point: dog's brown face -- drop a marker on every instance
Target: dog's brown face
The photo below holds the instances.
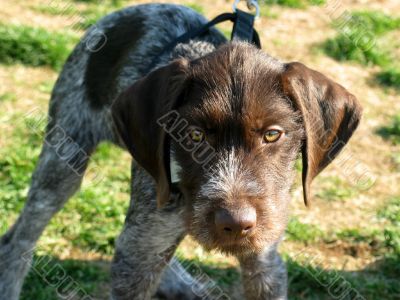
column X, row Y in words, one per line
column 237, row 193
column 240, row 121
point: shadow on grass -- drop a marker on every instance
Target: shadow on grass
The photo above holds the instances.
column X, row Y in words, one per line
column 389, row 78
column 391, row 132
column 52, row 279
column 379, row 280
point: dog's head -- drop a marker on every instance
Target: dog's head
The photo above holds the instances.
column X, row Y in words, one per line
column 235, row 122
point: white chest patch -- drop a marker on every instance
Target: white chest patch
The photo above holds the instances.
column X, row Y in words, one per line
column 175, row 169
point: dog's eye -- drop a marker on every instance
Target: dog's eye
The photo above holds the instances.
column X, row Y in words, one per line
column 272, row 135
column 196, row 135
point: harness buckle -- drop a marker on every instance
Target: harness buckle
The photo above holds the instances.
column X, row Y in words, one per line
column 251, row 4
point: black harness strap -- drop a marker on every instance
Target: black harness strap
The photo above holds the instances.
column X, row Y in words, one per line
column 200, row 31
column 243, row 27
column 242, row 30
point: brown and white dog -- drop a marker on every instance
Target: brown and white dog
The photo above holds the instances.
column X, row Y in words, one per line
column 230, row 117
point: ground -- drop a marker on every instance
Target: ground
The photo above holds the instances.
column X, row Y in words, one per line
column 348, row 239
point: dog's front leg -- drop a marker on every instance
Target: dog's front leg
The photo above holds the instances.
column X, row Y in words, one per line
column 146, row 246
column 264, row 276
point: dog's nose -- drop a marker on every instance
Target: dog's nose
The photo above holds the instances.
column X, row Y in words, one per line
column 239, row 222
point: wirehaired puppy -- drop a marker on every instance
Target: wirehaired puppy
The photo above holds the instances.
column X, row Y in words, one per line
column 214, row 128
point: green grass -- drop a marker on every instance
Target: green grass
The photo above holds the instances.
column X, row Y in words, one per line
column 8, row 97
column 362, row 38
column 58, row 9
column 83, row 17
column 360, row 241
column 226, row 32
column 358, row 38
column 335, row 189
column 34, row 46
column 294, row 3
column 376, row 22
column 52, row 279
column 301, row 232
column 93, row 14
column 92, row 218
column 90, row 221
column 389, row 78
column 395, row 159
column 308, row 279
column 46, row 86
column 265, row 11
column 391, row 211
column 107, row 2
column 391, row 132
column 15, row 168
column 221, row 273
column 353, row 48
column 384, row 242
column 196, row 7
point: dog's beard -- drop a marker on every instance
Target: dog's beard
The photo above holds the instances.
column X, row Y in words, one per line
column 200, row 224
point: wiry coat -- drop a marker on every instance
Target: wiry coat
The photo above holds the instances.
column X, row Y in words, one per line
column 118, row 84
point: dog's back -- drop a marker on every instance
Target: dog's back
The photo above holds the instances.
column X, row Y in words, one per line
column 125, row 45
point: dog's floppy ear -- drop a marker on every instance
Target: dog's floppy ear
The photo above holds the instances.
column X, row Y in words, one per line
column 330, row 116
column 135, row 113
